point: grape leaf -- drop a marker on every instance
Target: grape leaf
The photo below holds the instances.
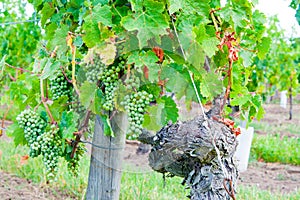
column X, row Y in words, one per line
column 107, row 52
column 150, row 23
column 152, row 118
column 260, row 113
column 50, row 69
column 107, row 130
column 210, row 46
column 102, row 14
column 263, row 47
column 170, row 111
column 67, row 125
column 175, row 5
column 47, row 12
column 91, row 33
column 18, row 133
column 87, row 94
column 240, row 96
column 59, row 40
column 297, row 15
column 211, row 85
column 179, row 82
column 149, row 59
column 247, row 58
column 160, row 114
column 235, row 15
column 58, row 107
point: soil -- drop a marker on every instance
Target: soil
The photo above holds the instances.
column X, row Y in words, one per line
column 274, row 177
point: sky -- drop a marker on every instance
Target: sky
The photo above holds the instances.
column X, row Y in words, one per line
column 280, row 8
column 286, row 15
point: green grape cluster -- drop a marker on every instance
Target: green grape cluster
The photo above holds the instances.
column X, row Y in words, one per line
column 59, row 86
column 76, row 106
column 110, row 79
column 135, row 105
column 94, row 70
column 34, row 127
column 132, row 82
column 74, row 163
column 51, row 150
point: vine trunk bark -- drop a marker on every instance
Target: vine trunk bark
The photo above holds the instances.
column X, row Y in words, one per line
column 106, row 160
column 185, row 149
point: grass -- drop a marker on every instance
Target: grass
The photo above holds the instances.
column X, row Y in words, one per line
column 34, row 170
column 135, row 186
column 273, row 148
column 286, row 128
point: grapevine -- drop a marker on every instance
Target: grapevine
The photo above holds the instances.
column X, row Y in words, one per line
column 166, row 44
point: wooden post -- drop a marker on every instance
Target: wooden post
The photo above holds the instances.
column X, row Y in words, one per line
column 106, row 163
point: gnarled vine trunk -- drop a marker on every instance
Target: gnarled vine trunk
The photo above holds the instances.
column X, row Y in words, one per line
column 186, row 150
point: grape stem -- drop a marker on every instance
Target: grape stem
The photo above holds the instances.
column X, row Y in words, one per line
column 79, row 133
column 44, row 101
column 73, row 51
column 227, row 92
column 65, row 75
column 3, row 119
column 21, row 69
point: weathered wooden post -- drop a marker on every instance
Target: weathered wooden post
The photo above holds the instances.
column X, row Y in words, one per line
column 106, row 160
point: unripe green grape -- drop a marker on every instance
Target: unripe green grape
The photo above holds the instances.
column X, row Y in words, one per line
column 136, row 105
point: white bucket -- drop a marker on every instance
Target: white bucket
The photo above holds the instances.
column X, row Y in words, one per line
column 243, row 149
column 283, row 99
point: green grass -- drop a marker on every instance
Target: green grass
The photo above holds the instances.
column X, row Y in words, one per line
column 273, row 148
column 34, row 170
column 286, row 128
column 139, row 186
column 249, row 193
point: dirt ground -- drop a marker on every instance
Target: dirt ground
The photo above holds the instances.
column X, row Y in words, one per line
column 274, row 177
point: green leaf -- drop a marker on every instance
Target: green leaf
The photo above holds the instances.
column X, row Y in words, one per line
column 107, row 130
column 210, row 46
column 260, row 113
column 170, row 111
column 47, row 12
column 247, row 58
column 297, row 15
column 152, row 120
column 18, row 133
column 99, row 101
column 59, row 40
column 149, row 59
column 50, row 69
column 263, row 47
column 68, row 124
column 149, row 24
column 58, row 107
column 91, row 33
column 78, row 42
column 211, row 85
column 87, row 94
column 178, row 82
column 240, row 96
column 102, row 14
column 160, row 114
column 175, row 5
